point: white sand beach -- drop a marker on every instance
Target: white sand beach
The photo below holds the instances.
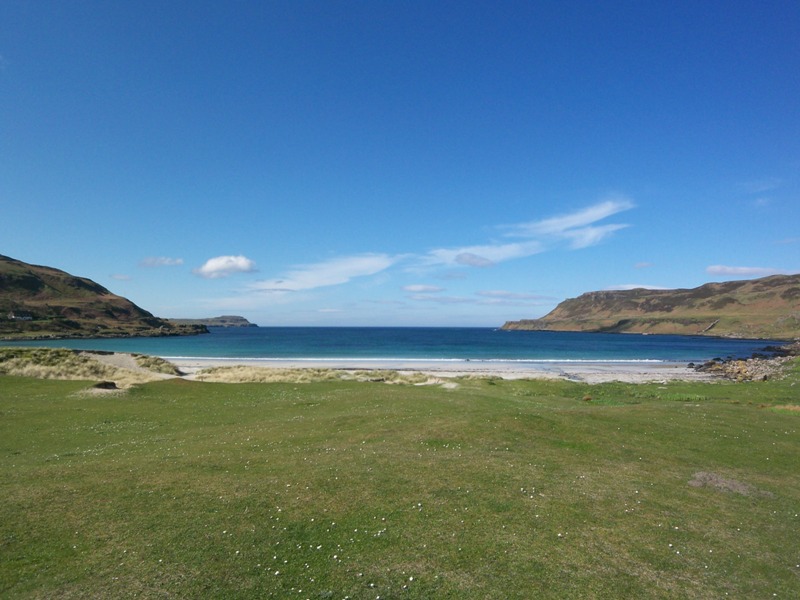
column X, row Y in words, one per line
column 588, row 372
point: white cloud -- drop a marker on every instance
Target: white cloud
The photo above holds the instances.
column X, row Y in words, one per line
column 577, row 229
column 331, row 272
column 590, row 236
column 506, row 295
column 576, row 225
column 487, row 298
column 741, row 271
column 442, row 299
column 453, row 275
column 482, row 256
column 473, row 260
column 160, row 261
column 423, row 289
column 222, row 266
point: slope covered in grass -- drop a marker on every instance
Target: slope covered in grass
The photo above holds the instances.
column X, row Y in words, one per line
column 760, row 308
column 40, row 301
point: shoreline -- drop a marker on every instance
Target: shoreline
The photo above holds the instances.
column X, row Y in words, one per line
column 587, row 372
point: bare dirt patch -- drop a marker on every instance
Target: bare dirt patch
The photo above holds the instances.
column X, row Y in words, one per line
column 723, row 484
column 102, row 392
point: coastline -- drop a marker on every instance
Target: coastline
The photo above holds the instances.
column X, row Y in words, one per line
column 587, row 372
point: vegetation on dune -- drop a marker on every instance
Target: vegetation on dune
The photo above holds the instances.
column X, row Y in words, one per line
column 247, row 374
column 46, row 363
column 59, row 363
column 156, row 364
column 342, row 489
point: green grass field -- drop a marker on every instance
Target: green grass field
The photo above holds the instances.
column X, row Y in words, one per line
column 494, row 489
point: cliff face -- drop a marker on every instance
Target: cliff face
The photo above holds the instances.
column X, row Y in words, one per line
column 37, row 301
column 758, row 308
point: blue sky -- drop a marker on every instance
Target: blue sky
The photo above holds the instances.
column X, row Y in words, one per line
column 398, row 163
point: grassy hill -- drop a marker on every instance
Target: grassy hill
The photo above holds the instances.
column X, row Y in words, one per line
column 758, row 308
column 37, row 301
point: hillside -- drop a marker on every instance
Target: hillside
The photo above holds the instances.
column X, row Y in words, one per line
column 37, row 301
column 223, row 321
column 757, row 308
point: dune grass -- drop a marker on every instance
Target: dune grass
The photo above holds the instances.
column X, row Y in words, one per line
column 156, row 364
column 59, row 363
column 345, row 489
column 250, row 374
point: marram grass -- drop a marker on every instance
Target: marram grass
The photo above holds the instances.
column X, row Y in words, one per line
column 501, row 489
column 59, row 363
column 250, row 374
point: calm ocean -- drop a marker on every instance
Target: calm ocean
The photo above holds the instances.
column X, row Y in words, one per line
column 423, row 343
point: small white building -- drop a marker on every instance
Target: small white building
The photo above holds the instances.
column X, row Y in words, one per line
column 20, row 315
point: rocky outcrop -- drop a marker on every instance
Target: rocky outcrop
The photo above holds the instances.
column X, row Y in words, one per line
column 756, row 368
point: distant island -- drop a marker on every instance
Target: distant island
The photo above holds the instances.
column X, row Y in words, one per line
column 42, row 302
column 767, row 308
column 223, row 321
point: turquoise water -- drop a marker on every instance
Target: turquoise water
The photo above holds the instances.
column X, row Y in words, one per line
column 423, row 343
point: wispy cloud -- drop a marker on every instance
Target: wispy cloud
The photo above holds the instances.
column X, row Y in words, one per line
column 643, row 265
column 121, row 277
column 442, row 299
column 331, row 272
column 590, row 236
column 761, row 186
column 578, row 229
column 506, row 295
column 423, row 289
column 742, row 271
column 482, row 256
column 160, row 261
column 486, row 297
column 223, row 266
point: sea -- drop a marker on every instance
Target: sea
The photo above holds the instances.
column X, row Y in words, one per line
column 427, row 344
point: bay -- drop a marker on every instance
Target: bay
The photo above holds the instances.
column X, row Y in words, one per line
column 434, row 344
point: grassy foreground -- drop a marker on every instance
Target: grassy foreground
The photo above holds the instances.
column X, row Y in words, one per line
column 492, row 489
